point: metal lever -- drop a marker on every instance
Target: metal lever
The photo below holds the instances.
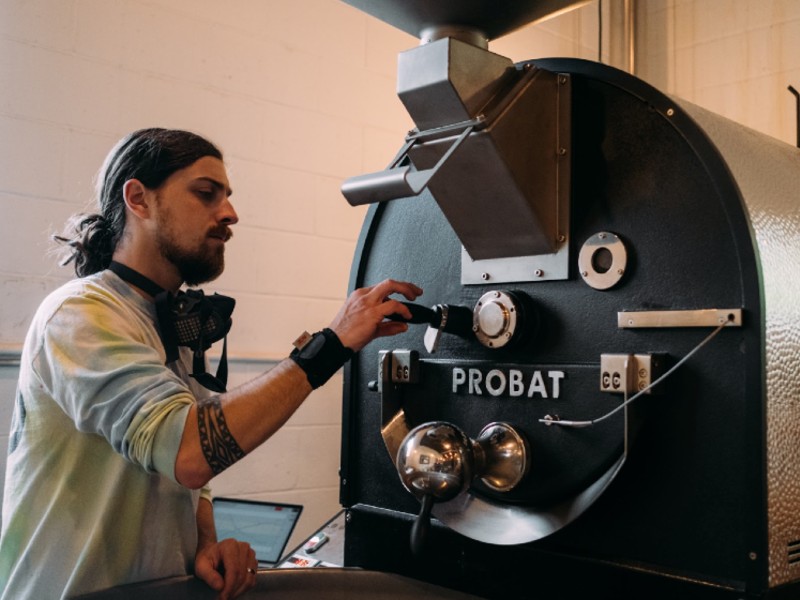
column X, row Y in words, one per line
column 421, row 526
column 398, row 181
column 419, row 315
column 441, row 318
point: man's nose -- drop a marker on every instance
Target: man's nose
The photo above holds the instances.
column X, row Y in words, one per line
column 228, row 213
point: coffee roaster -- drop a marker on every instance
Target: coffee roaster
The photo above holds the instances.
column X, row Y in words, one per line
column 599, row 393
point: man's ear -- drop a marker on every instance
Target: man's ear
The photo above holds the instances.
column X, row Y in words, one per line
column 136, row 198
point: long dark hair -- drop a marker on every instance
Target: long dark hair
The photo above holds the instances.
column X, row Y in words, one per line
column 149, row 155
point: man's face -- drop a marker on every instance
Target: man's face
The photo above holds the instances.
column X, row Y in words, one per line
column 193, row 216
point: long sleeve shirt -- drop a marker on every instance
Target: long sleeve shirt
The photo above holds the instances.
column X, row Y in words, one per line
column 90, row 497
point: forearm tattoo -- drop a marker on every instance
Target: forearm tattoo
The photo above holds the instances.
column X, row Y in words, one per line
column 219, row 447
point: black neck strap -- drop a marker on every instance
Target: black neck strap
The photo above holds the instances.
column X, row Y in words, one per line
column 163, row 301
column 136, row 278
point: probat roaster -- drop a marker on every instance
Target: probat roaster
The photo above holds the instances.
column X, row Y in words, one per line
column 599, row 395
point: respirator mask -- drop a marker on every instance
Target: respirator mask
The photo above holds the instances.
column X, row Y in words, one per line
column 188, row 318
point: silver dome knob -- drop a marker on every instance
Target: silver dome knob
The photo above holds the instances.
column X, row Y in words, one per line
column 437, row 461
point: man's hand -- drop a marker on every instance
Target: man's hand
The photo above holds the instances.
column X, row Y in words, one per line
column 228, row 567
column 362, row 318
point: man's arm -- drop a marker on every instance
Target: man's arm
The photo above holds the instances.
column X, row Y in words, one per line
column 224, row 428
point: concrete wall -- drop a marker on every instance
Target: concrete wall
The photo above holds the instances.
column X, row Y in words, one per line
column 299, row 94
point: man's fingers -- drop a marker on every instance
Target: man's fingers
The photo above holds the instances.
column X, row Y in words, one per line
column 237, row 557
column 206, row 572
column 390, row 328
column 387, row 287
column 394, row 307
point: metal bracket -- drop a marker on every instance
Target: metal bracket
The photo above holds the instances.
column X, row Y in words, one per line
column 711, row 317
column 396, row 368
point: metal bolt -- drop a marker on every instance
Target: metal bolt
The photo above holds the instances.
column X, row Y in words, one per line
column 642, row 385
column 602, row 236
column 485, row 276
column 620, row 271
column 562, row 151
column 561, row 237
column 348, row 516
column 538, row 272
column 670, row 112
column 752, row 556
column 562, row 80
column 475, row 328
column 584, row 273
column 508, row 334
column 642, row 373
column 497, row 294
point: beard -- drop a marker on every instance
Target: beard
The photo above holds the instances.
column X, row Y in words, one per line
column 195, row 266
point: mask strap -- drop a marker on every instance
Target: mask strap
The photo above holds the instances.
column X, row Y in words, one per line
column 218, row 383
column 215, row 384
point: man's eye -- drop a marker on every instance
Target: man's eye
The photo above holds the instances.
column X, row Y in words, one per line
column 206, row 194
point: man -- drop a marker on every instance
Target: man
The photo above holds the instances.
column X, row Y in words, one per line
column 109, row 444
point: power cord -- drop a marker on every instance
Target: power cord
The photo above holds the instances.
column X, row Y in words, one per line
column 548, row 420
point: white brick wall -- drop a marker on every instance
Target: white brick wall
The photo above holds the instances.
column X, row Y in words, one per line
column 299, row 95
column 734, row 57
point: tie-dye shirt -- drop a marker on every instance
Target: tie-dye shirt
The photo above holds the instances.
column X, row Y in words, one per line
column 90, row 497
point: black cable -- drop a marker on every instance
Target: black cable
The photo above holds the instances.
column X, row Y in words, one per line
column 796, row 95
column 599, row 30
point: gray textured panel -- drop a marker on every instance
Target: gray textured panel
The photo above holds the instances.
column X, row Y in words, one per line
column 767, row 172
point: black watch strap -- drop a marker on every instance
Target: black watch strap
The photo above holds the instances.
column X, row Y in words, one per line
column 320, row 355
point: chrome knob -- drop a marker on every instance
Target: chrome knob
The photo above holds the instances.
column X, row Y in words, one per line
column 504, row 318
column 435, row 464
column 437, row 461
column 504, row 455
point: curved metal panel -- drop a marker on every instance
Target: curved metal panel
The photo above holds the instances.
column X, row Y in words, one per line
column 768, row 174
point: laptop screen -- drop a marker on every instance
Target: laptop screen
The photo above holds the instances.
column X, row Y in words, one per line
column 266, row 526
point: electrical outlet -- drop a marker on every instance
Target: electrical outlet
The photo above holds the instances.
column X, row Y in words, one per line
column 614, row 374
column 629, row 373
column 405, row 366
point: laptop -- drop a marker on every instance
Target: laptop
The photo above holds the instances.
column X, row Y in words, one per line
column 266, row 526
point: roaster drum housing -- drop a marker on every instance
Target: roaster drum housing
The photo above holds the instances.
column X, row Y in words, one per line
column 707, row 500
